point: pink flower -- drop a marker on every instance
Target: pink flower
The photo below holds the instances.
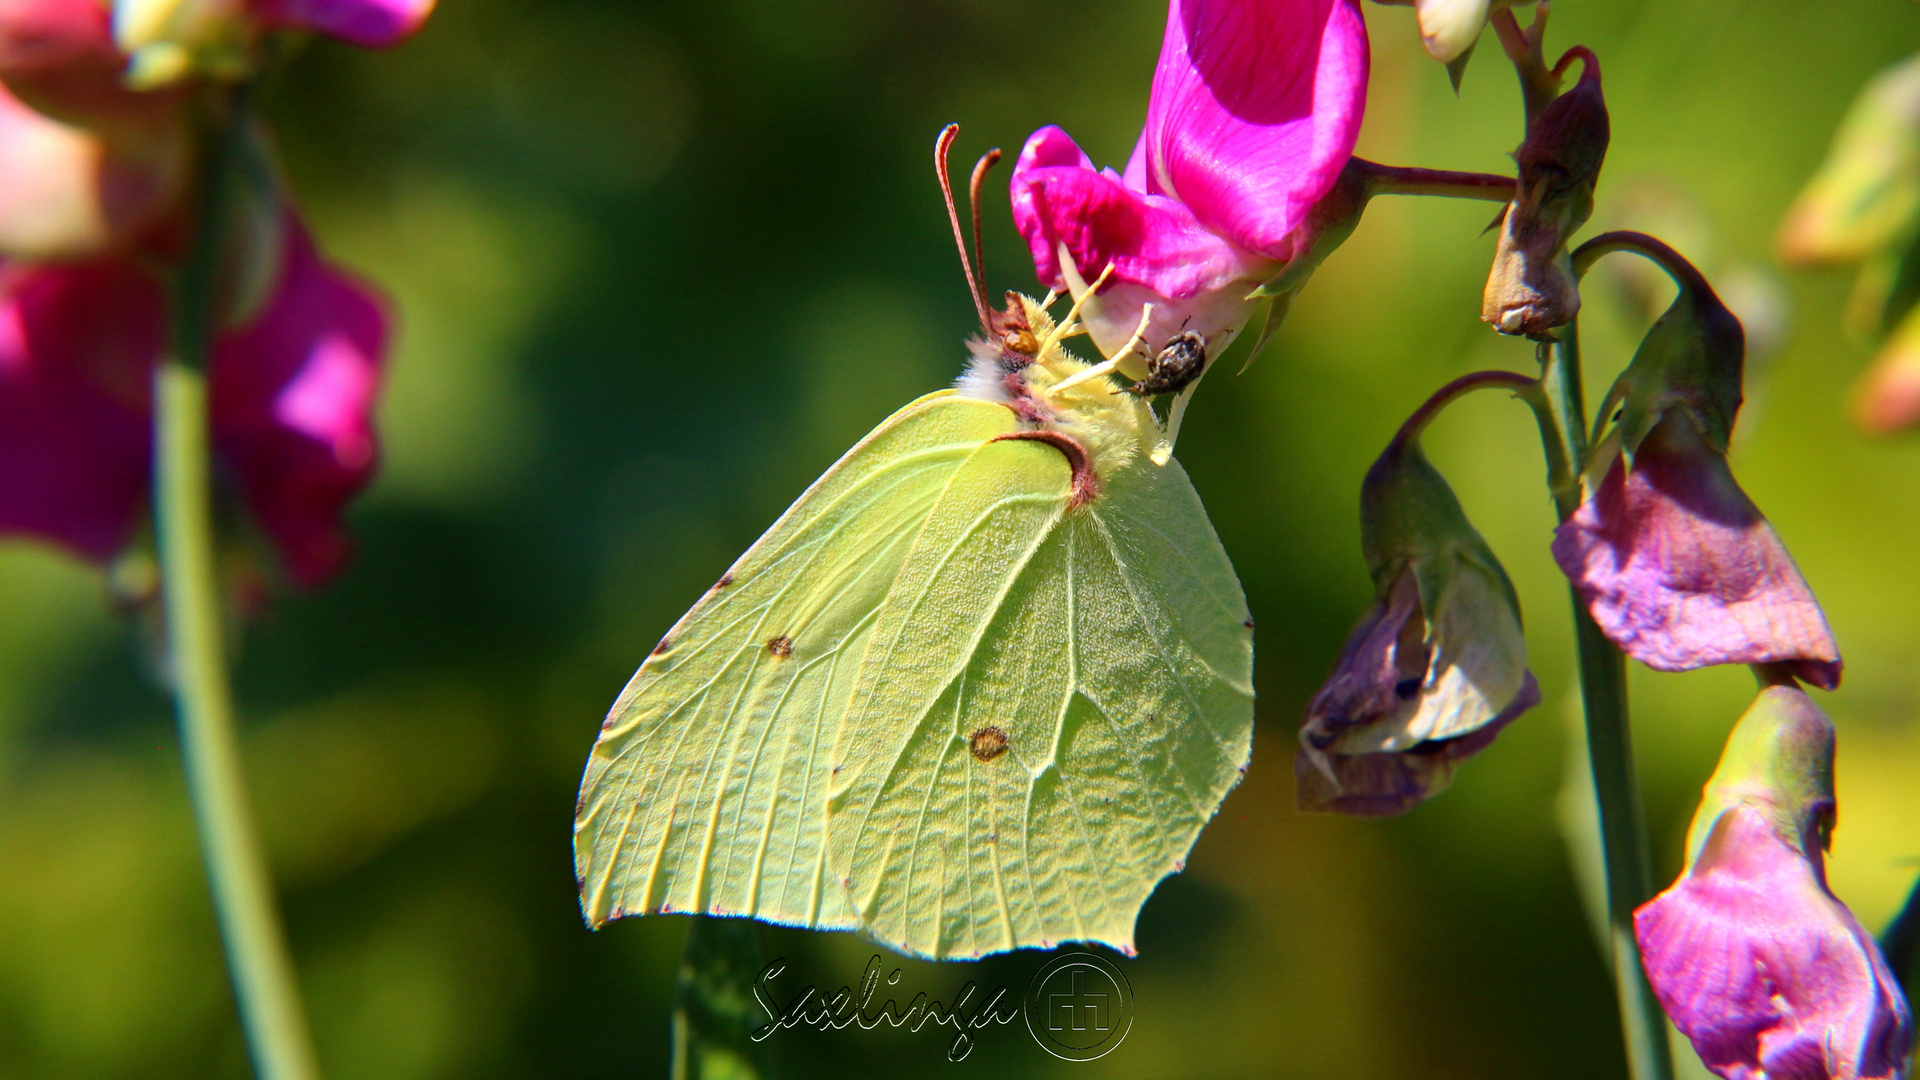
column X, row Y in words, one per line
column 1757, row 963
column 292, row 395
column 370, row 24
column 1681, row 571
column 1254, row 111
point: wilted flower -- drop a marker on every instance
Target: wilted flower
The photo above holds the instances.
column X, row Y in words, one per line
column 292, row 394
column 1530, row 289
column 1254, row 111
column 1436, row 668
column 1681, row 571
column 1674, row 562
column 1754, row 959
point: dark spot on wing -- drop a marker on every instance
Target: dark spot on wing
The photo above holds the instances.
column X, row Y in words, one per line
column 987, row 743
column 1248, row 624
column 780, row 647
column 665, row 644
column 726, row 579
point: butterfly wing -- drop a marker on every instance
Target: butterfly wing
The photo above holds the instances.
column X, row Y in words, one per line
column 1106, row 647
column 706, row 788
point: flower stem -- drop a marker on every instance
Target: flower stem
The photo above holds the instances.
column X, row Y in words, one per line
column 257, row 955
column 1525, row 387
column 1403, row 180
column 1603, row 698
column 1684, row 274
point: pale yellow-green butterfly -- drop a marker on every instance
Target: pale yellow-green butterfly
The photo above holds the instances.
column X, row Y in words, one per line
column 979, row 689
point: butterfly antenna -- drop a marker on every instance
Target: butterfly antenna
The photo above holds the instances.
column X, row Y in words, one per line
column 940, row 147
column 980, row 170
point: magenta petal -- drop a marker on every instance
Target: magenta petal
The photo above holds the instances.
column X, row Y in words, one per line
column 77, row 348
column 1150, row 240
column 292, row 408
column 1136, row 175
column 1681, row 570
column 1766, row 973
column 1256, row 105
column 371, row 24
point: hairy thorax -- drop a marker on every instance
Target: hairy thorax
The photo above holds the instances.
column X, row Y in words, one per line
column 1022, row 364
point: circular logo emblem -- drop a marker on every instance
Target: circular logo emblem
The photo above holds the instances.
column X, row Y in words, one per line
column 1079, row 1006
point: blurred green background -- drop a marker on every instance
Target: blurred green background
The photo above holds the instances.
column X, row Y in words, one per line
column 657, row 265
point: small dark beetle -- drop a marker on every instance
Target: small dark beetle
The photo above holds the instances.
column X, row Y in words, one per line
column 1175, row 367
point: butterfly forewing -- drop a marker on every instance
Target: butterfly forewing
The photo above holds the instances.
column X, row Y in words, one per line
column 706, row 789
column 1053, row 703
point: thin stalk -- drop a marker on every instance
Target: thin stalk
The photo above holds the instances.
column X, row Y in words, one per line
column 1603, row 698
column 257, row 955
column 1525, row 387
column 1684, row 274
column 1403, row 180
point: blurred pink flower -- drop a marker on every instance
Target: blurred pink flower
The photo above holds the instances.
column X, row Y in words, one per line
column 85, row 163
column 292, row 396
column 1681, row 571
column 370, row 24
column 1254, row 111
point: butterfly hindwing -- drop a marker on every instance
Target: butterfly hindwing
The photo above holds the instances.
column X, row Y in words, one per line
column 1053, row 703
column 705, row 791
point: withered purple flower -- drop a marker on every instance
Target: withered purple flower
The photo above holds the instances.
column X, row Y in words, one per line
column 1681, row 571
column 1673, row 561
column 1436, row 667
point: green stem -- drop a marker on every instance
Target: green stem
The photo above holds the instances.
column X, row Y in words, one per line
column 1404, row 180
column 1525, row 387
column 1684, row 274
column 257, row 955
column 1603, row 697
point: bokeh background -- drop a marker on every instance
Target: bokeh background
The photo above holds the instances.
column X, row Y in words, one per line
column 657, row 265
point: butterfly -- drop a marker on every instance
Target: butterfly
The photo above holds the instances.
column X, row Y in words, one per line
column 978, row 689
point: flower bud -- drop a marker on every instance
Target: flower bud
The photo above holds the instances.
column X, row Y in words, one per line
column 1867, row 193
column 1531, row 288
column 1433, row 671
column 1886, row 400
column 1749, row 953
column 1448, row 28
